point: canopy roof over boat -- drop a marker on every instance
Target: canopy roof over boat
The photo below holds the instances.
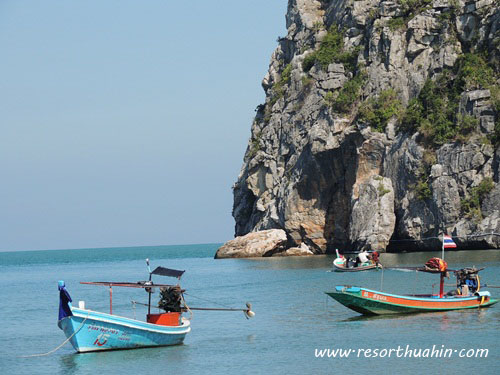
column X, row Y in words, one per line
column 418, row 269
column 431, row 270
column 162, row 271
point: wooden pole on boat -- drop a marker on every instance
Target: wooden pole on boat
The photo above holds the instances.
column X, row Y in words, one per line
column 149, row 298
column 441, row 280
column 441, row 285
column 149, row 290
column 110, row 300
column 216, row 309
column 248, row 311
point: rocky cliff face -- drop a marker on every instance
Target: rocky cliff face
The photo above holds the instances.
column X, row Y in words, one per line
column 380, row 127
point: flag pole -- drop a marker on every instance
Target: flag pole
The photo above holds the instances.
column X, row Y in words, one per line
column 441, row 277
column 442, row 247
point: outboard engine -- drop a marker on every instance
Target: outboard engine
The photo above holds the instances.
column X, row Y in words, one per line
column 468, row 281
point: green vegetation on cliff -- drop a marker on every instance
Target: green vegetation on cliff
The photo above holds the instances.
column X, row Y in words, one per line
column 278, row 89
column 413, row 6
column 472, row 72
column 471, row 206
column 331, row 50
column 434, row 113
column 495, row 101
column 378, row 111
column 421, row 188
column 409, row 8
column 255, row 144
column 349, row 94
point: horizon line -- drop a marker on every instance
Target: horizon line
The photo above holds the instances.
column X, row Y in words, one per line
column 110, row 247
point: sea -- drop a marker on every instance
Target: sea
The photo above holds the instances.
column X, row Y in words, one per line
column 297, row 328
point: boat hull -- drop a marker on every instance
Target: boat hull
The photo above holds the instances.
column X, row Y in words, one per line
column 339, row 266
column 371, row 302
column 91, row 331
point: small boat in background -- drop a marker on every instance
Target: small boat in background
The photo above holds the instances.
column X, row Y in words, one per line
column 90, row 331
column 347, row 264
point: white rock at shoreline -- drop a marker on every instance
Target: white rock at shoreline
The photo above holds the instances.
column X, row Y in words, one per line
column 303, row 250
column 254, row 244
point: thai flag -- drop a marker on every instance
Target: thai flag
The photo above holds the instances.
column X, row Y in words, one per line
column 448, row 242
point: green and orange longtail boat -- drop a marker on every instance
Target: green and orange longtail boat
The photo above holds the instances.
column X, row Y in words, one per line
column 371, row 302
column 467, row 295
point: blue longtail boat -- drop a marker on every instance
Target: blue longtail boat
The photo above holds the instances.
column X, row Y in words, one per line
column 90, row 331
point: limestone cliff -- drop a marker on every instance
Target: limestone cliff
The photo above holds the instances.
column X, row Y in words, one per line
column 380, row 125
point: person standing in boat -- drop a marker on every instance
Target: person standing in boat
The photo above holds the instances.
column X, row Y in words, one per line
column 374, row 257
column 362, row 257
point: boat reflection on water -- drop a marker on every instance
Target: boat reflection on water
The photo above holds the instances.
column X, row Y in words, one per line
column 75, row 363
column 447, row 319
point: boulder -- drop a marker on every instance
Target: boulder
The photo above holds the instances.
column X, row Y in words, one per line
column 303, row 250
column 254, row 244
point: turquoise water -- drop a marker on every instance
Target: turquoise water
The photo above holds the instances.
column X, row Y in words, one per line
column 294, row 316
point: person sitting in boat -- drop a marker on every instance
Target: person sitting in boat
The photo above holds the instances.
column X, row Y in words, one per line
column 362, row 258
column 467, row 282
column 349, row 262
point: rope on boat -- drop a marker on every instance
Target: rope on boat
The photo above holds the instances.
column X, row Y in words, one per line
column 439, row 238
column 187, row 307
column 208, row 300
column 60, row 346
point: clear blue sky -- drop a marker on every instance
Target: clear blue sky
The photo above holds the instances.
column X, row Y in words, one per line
column 124, row 123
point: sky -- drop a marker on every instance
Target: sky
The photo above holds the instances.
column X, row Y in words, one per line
column 125, row 122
